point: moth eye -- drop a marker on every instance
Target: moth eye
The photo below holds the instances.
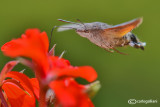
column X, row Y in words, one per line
column 86, row 31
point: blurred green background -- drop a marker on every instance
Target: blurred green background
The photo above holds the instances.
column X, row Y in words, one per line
column 135, row 76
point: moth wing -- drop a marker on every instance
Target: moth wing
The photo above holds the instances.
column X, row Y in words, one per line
column 122, row 29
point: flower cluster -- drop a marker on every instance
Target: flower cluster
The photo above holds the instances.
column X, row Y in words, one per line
column 54, row 82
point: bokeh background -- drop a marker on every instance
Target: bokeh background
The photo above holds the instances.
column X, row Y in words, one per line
column 135, row 76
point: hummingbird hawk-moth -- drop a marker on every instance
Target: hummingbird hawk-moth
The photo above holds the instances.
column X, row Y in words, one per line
column 107, row 36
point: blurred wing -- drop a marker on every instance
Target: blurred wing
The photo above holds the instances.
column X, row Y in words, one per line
column 122, row 29
column 67, row 27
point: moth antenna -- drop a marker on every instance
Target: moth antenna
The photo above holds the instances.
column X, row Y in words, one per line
column 51, row 36
column 119, row 51
column 81, row 23
column 67, row 21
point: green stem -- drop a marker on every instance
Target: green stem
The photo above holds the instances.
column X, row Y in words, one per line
column 42, row 98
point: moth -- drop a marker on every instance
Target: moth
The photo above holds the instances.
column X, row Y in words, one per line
column 107, row 36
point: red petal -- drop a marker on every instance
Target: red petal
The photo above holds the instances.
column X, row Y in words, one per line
column 85, row 72
column 66, row 99
column 8, row 67
column 59, row 62
column 62, row 68
column 17, row 97
column 35, row 85
column 70, row 94
column 32, row 44
column 14, row 82
column 23, row 79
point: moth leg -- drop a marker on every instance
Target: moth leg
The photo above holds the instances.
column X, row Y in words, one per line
column 123, row 43
column 119, row 51
column 116, row 42
column 108, row 49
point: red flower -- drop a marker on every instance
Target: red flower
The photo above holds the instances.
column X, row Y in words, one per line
column 16, row 91
column 52, row 72
column 34, row 45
